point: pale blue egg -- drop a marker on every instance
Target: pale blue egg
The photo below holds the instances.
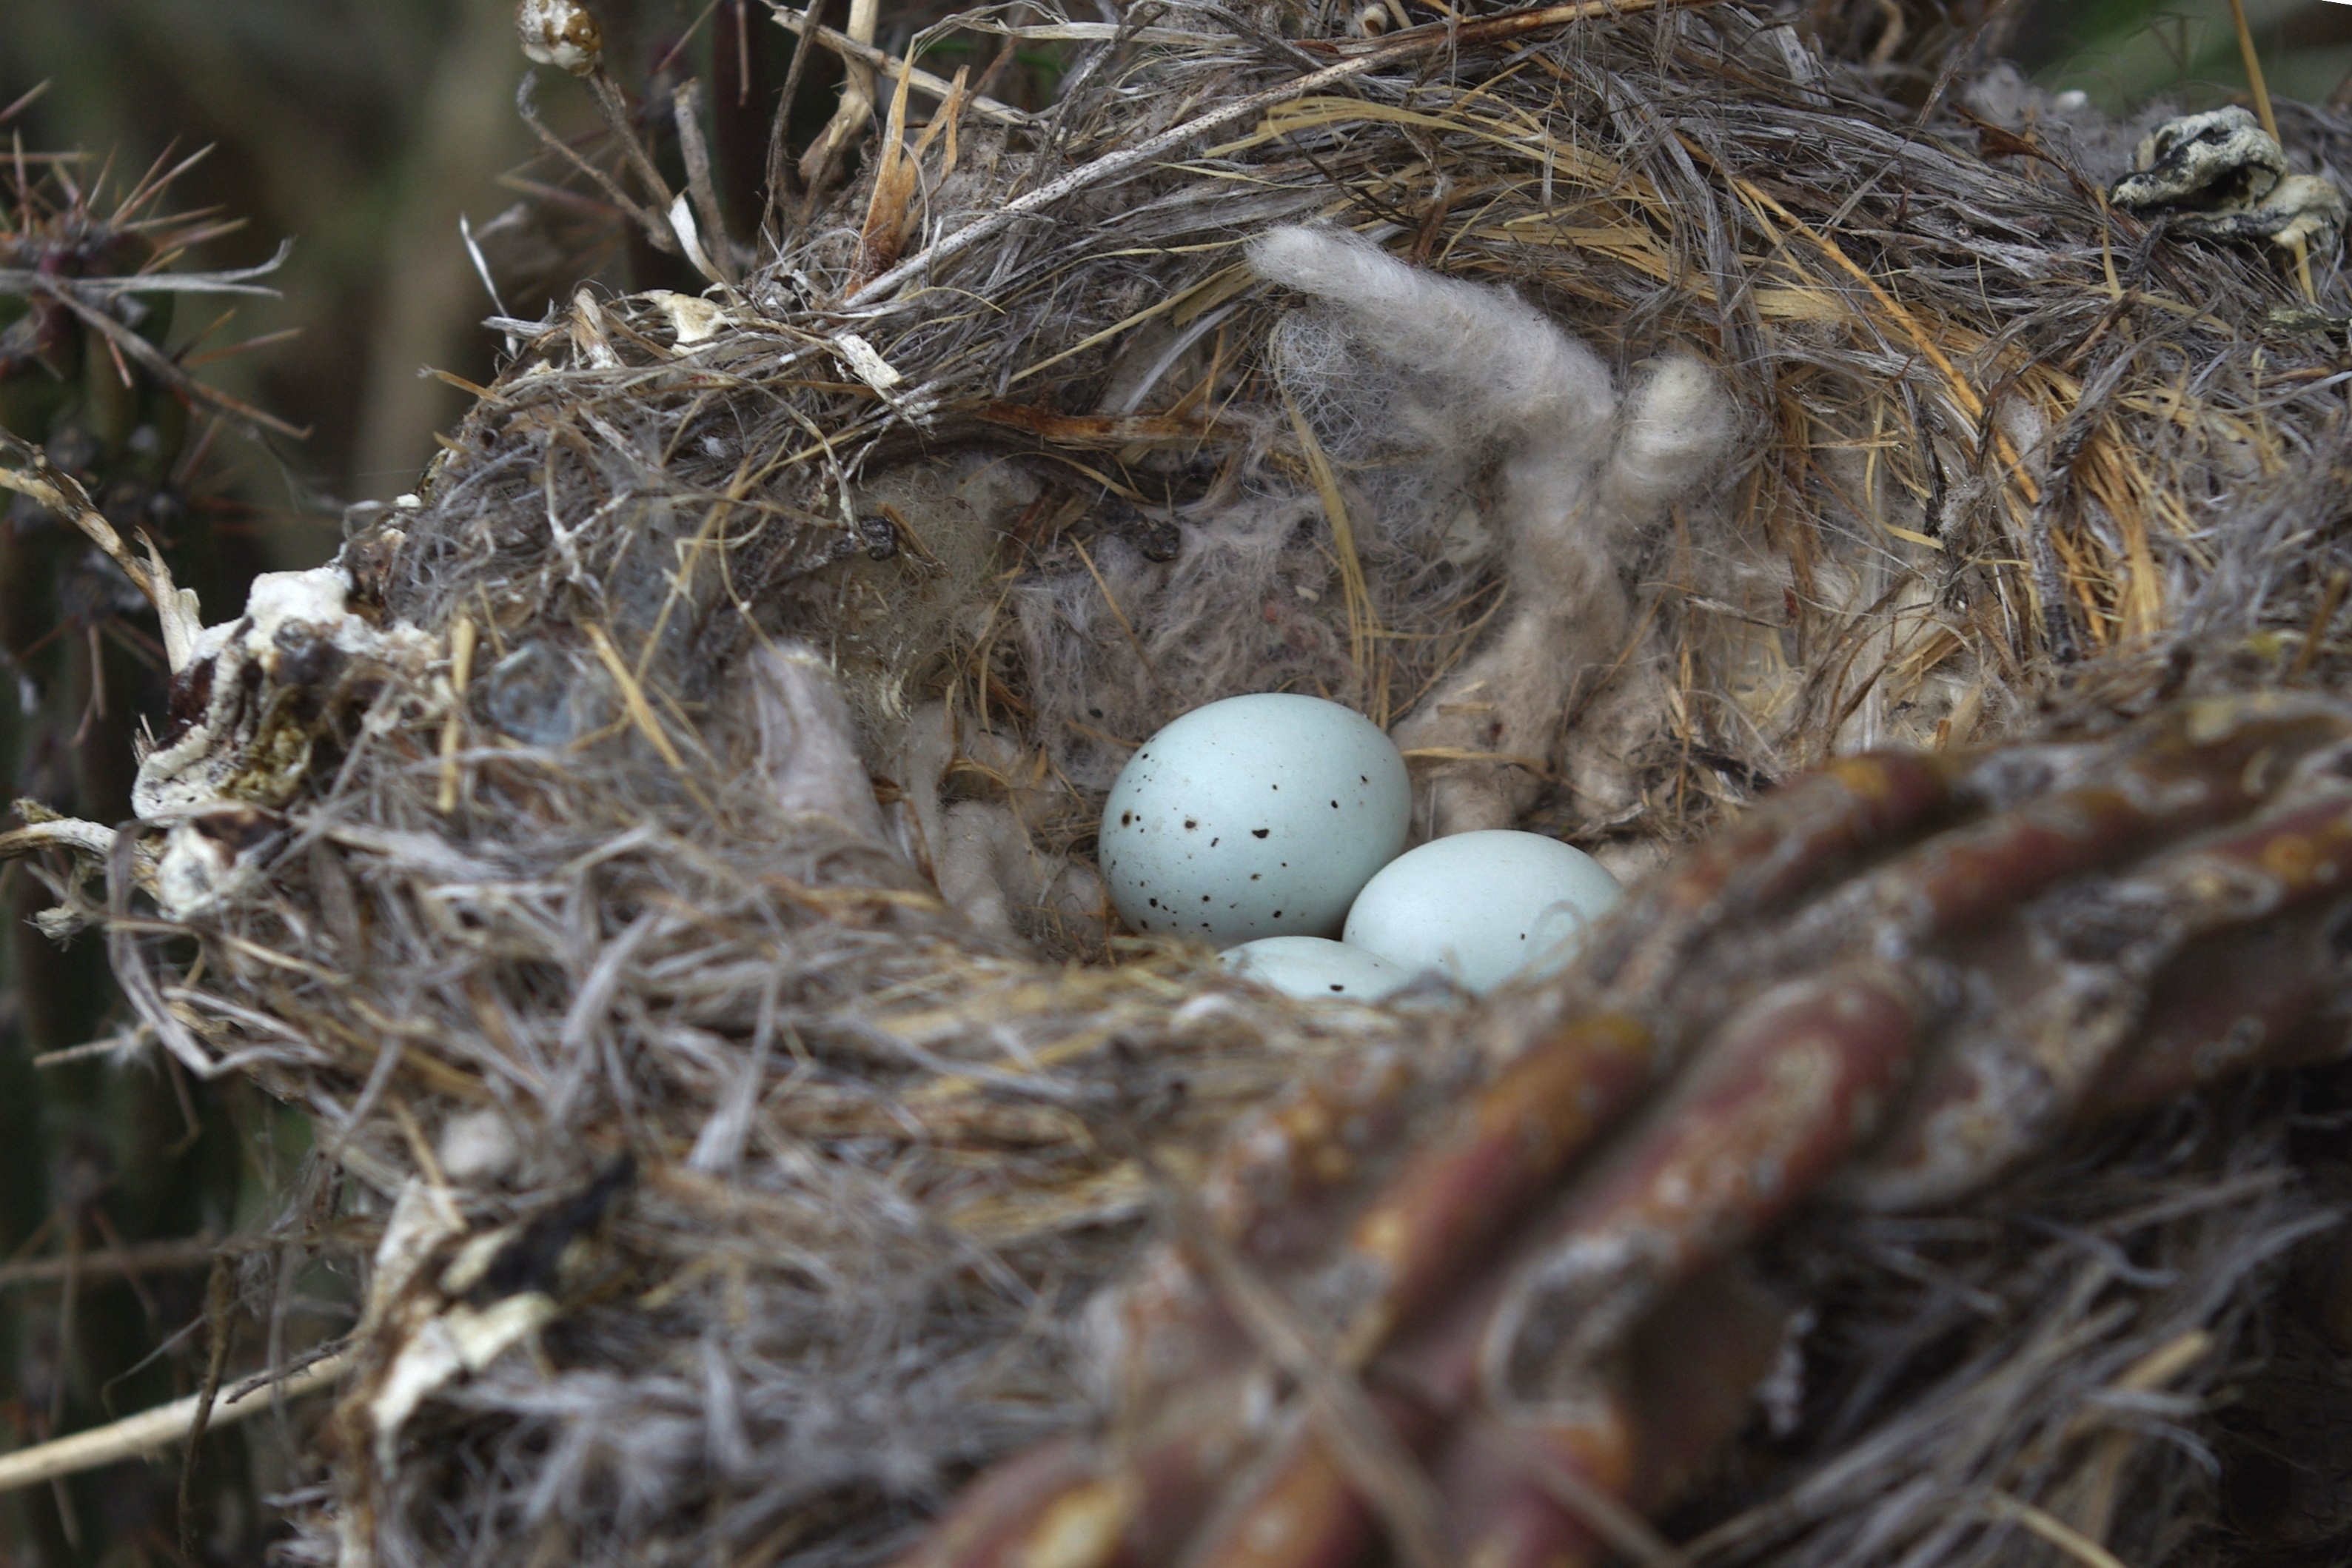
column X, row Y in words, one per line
column 1482, row 907
column 1315, row 966
column 1255, row 817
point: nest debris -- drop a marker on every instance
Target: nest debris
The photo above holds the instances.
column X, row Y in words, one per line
column 606, row 997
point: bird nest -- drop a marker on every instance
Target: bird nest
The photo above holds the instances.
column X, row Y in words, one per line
column 657, row 855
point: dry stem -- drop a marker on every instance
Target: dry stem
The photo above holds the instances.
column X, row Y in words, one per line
column 136, row 1436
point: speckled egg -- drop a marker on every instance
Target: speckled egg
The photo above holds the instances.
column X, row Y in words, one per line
column 1255, row 817
column 1482, row 907
column 1315, row 966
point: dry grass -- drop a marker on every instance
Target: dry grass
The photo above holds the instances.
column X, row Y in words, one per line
column 2007, row 452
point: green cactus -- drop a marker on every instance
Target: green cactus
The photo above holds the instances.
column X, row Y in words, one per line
column 93, row 1154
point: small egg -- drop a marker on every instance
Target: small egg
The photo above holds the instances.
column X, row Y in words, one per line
column 1315, row 966
column 1482, row 907
column 1259, row 815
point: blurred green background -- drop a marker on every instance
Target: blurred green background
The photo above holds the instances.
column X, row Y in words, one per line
column 2125, row 52
column 360, row 129
column 364, row 130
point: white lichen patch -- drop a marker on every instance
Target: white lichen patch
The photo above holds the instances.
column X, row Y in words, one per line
column 2219, row 175
column 255, row 700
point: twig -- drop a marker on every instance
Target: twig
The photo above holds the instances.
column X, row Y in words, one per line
column 656, row 226
column 849, row 116
column 28, row 471
column 2057, row 1531
column 2253, row 63
column 1432, row 38
column 220, row 1296
column 131, row 971
column 453, row 726
column 782, row 171
column 156, row 1256
column 1391, row 1482
column 2331, row 599
column 686, row 108
column 2114, row 1448
column 1364, row 622
column 640, row 710
column 1119, row 614
column 614, row 105
column 2254, row 60
column 136, row 1435
column 890, row 66
column 93, row 839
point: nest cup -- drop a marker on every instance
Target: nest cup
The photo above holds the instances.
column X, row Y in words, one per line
column 665, row 875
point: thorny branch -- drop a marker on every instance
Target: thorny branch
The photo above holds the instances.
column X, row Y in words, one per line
column 28, row 471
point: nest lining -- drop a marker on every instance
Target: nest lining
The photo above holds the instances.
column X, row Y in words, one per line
column 567, row 888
